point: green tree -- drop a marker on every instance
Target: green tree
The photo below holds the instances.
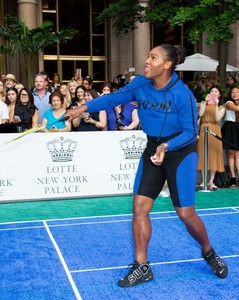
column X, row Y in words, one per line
column 19, row 39
column 213, row 17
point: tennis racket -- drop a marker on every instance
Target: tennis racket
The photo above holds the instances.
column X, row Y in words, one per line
column 35, row 129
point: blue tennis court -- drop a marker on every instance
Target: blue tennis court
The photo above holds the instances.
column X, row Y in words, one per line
column 83, row 258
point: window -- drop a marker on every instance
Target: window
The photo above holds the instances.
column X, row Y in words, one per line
column 87, row 50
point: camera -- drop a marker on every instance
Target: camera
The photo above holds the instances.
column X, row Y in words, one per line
column 132, row 69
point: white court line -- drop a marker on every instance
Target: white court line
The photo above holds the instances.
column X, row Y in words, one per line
column 152, row 264
column 106, row 222
column 21, row 228
column 130, row 220
column 111, row 216
column 77, row 294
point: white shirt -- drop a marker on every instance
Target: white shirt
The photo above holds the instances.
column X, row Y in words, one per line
column 230, row 114
column 4, row 114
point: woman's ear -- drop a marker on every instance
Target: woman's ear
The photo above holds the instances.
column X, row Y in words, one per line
column 168, row 64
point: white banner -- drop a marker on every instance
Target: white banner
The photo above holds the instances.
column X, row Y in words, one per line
column 69, row 165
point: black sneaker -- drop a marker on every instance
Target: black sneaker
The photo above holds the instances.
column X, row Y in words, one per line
column 138, row 274
column 218, row 266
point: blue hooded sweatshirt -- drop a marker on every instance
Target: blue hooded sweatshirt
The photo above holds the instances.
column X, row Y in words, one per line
column 162, row 112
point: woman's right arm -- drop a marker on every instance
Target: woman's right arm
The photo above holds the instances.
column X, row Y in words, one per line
column 231, row 106
column 202, row 108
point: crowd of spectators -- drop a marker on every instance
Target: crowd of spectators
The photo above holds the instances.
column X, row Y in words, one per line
column 219, row 112
column 21, row 107
column 46, row 103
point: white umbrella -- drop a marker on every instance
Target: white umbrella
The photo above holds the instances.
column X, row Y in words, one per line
column 202, row 63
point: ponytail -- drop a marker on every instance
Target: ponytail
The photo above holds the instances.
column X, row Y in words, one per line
column 176, row 54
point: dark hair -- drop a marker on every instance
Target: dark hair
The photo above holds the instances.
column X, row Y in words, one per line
column 45, row 73
column 55, row 75
column 58, row 94
column 176, row 54
column 49, row 85
column 221, row 100
column 233, row 77
column 11, row 89
column 93, row 93
column 108, row 84
column 79, row 87
column 30, row 96
column 90, row 81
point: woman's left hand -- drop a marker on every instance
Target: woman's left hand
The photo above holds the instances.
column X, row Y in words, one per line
column 158, row 158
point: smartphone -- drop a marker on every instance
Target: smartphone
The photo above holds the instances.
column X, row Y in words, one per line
column 78, row 72
column 131, row 69
column 17, row 119
column 213, row 96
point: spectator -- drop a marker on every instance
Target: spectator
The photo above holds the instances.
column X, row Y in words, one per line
column 79, row 100
column 19, row 86
column 55, row 114
column 78, row 77
column 115, row 84
column 25, row 113
column 4, row 113
column 231, row 80
column 230, row 133
column 66, row 95
column 95, row 121
column 88, row 83
column 72, row 85
column 3, row 76
column 56, row 81
column 10, row 81
column 41, row 96
column 2, row 91
column 48, row 86
column 106, row 88
column 11, row 99
column 79, row 96
column 211, row 112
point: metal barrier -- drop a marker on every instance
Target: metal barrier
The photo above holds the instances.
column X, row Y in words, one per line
column 205, row 187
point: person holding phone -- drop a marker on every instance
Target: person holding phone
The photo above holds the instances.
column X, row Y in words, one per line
column 211, row 112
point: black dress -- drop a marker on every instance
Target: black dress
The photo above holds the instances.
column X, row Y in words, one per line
column 25, row 113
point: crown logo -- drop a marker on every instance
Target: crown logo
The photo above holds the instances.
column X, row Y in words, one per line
column 133, row 147
column 61, row 150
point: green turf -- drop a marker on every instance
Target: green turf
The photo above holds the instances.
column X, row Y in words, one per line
column 58, row 209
